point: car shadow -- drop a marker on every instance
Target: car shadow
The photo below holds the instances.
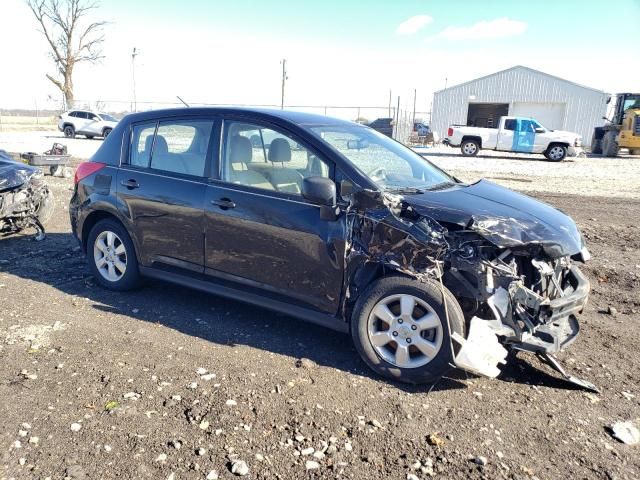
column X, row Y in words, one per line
column 57, row 261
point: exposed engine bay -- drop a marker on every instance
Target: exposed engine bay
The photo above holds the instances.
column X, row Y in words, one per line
column 25, row 199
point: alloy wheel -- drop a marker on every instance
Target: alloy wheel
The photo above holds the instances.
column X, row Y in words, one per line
column 405, row 331
column 470, row 148
column 110, row 256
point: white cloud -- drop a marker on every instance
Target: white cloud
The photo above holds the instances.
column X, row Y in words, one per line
column 413, row 24
column 498, row 28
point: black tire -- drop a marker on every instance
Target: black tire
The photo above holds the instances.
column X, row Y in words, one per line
column 556, row 152
column 106, row 132
column 470, row 148
column 596, row 144
column 69, row 131
column 432, row 294
column 131, row 277
column 609, row 144
column 90, row 137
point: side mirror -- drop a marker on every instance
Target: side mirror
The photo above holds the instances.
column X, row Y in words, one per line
column 321, row 191
column 540, row 130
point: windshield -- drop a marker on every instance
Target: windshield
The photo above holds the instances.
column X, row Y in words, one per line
column 389, row 164
column 107, row 117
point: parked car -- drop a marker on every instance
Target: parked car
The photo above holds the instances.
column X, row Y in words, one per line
column 516, row 134
column 25, row 199
column 89, row 124
column 350, row 230
column 421, row 129
column 383, row 125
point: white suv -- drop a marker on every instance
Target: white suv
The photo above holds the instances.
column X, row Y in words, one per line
column 89, row 124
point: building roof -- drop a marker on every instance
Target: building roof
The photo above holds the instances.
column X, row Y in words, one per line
column 519, row 67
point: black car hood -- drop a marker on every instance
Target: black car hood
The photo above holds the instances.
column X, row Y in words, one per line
column 14, row 174
column 503, row 217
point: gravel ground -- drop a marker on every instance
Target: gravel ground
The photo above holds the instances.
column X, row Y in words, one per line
column 165, row 382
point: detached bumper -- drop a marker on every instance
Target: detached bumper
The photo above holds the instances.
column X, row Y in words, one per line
column 559, row 326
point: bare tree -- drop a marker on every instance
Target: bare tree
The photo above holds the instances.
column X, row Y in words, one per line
column 70, row 38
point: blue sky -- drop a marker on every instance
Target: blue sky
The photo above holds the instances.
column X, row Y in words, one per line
column 338, row 52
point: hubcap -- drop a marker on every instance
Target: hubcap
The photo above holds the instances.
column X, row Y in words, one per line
column 405, row 331
column 556, row 153
column 470, row 148
column 110, row 256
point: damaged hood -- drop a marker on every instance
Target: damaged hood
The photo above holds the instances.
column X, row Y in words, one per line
column 503, row 217
column 14, row 174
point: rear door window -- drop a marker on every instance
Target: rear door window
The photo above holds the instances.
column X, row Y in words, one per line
column 181, row 146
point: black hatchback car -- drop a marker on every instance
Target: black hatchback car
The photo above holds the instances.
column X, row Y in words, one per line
column 334, row 223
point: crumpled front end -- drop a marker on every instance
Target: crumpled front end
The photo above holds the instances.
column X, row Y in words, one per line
column 529, row 301
column 25, row 199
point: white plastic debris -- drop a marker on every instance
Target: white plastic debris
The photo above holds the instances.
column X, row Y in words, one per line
column 626, row 432
column 481, row 352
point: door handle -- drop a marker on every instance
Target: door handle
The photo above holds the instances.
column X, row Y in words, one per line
column 130, row 184
column 224, row 203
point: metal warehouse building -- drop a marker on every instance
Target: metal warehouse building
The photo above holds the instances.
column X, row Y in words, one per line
column 520, row 91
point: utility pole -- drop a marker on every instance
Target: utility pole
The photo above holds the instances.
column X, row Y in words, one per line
column 445, row 82
column 415, row 93
column 389, row 103
column 284, row 79
column 134, row 54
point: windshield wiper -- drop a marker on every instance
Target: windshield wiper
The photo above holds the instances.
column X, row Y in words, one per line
column 440, row 186
column 406, row 190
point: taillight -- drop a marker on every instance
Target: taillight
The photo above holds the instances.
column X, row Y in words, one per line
column 87, row 168
column 450, row 132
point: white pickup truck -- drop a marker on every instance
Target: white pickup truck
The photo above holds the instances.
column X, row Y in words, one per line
column 515, row 134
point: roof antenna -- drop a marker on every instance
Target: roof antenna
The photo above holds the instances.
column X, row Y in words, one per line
column 185, row 103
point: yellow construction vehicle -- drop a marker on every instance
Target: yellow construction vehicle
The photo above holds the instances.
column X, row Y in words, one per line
column 622, row 130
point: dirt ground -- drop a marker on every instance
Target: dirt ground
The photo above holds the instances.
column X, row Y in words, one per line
column 96, row 384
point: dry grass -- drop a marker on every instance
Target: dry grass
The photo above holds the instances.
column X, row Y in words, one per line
column 10, row 123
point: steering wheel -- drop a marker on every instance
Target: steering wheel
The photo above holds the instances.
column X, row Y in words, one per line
column 378, row 173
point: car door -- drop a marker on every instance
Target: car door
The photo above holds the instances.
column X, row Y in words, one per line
column 162, row 186
column 94, row 124
column 259, row 230
column 505, row 135
column 81, row 121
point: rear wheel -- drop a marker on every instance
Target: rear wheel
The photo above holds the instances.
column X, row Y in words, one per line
column 596, row 144
column 469, row 148
column 399, row 326
column 609, row 144
column 111, row 256
column 69, row 131
column 556, row 153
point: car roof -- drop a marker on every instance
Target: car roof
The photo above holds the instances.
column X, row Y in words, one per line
column 296, row 117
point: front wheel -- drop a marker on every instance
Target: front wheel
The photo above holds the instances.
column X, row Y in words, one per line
column 596, row 144
column 469, row 148
column 556, row 153
column 112, row 257
column 399, row 327
column 106, row 132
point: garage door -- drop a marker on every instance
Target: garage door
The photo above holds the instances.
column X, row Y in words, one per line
column 551, row 115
